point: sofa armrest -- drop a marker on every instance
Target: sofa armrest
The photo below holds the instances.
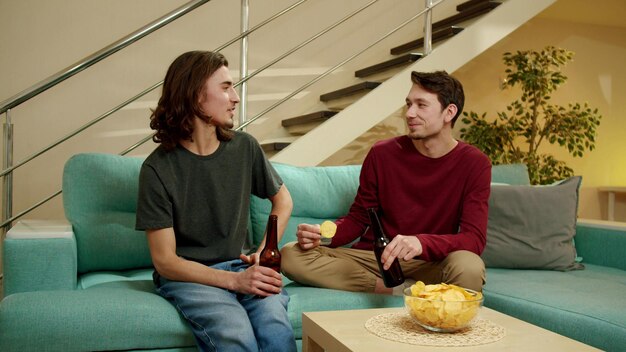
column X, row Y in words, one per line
column 601, row 242
column 39, row 255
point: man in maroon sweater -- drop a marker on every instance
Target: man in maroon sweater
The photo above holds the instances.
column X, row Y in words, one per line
column 431, row 192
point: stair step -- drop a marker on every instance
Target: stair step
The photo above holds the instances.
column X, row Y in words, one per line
column 418, row 43
column 277, row 144
column 395, row 62
column 478, row 9
column 319, row 116
column 300, row 125
column 469, row 4
column 274, row 146
column 362, row 87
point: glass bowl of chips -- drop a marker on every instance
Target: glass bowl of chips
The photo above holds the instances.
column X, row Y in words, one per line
column 442, row 307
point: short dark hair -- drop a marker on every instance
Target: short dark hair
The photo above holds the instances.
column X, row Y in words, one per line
column 448, row 89
column 178, row 106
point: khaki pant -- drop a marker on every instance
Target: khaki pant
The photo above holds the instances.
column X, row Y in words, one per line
column 357, row 270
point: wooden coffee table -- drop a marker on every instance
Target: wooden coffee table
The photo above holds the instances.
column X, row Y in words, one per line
column 339, row 331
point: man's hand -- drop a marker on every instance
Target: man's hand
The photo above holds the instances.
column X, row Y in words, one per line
column 403, row 247
column 308, row 236
column 257, row 280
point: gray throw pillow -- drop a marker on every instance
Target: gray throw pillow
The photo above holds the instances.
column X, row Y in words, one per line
column 532, row 227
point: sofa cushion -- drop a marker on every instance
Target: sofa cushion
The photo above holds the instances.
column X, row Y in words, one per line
column 532, row 227
column 601, row 244
column 302, row 298
column 115, row 278
column 130, row 316
column 100, row 200
column 318, row 194
column 39, row 264
column 586, row 305
column 510, row 174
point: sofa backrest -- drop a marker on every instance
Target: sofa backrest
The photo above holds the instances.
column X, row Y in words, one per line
column 100, row 201
column 511, row 174
column 318, row 193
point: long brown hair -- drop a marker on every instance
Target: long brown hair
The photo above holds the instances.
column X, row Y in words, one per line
column 178, row 106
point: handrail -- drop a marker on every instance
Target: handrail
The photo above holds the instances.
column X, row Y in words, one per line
column 141, row 94
column 98, row 56
column 243, row 60
column 273, row 106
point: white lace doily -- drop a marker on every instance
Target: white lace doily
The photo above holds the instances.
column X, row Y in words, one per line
column 400, row 327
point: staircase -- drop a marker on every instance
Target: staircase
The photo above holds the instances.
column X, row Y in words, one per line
column 374, row 75
column 355, row 109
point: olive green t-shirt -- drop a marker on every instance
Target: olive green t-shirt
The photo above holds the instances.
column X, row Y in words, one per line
column 205, row 199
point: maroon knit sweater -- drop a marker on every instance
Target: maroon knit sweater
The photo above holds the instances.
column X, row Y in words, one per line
column 443, row 201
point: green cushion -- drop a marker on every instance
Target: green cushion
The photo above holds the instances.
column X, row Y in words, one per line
column 512, row 174
column 100, row 200
column 302, row 298
column 532, row 227
column 39, row 264
column 116, row 317
column 318, row 194
column 108, row 278
column 601, row 246
column 586, row 305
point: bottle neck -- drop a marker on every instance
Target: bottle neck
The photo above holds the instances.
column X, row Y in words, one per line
column 271, row 232
column 377, row 228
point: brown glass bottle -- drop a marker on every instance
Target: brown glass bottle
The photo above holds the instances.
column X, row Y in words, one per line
column 270, row 255
column 393, row 276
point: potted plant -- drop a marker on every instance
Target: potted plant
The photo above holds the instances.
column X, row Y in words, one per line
column 516, row 135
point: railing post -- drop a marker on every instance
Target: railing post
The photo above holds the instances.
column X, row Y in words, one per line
column 243, row 63
column 7, row 182
column 428, row 20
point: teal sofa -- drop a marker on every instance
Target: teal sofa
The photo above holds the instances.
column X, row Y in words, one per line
column 90, row 287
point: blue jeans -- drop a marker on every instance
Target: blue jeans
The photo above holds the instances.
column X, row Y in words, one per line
column 224, row 320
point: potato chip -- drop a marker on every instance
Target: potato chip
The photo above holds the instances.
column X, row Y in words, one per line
column 417, row 288
column 328, row 229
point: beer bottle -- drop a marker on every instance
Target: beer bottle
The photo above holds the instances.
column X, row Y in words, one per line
column 270, row 255
column 393, row 276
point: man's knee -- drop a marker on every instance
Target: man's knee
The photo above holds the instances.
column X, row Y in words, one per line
column 291, row 261
column 466, row 269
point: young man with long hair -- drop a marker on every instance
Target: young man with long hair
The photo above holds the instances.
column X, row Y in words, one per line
column 193, row 204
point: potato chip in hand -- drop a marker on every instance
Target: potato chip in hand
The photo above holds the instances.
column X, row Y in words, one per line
column 328, row 229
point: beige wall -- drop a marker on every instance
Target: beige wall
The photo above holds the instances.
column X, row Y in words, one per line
column 596, row 76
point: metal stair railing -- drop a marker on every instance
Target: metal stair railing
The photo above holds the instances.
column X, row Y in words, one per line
column 6, row 106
